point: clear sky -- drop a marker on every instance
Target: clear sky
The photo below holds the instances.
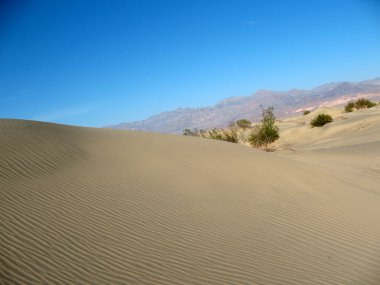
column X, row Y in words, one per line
column 96, row 63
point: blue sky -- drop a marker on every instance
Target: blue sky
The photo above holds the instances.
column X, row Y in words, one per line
column 96, row 63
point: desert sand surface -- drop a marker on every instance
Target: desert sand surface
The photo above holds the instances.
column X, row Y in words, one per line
column 350, row 145
column 98, row 206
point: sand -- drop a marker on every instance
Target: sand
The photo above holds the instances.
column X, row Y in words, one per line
column 97, row 206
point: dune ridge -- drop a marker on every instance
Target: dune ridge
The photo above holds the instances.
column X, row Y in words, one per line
column 98, row 206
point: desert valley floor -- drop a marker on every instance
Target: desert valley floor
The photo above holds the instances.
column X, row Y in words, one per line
column 97, row 206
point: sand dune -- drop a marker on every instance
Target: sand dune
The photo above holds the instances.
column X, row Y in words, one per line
column 98, row 206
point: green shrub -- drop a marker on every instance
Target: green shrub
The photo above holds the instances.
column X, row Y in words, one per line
column 266, row 131
column 364, row 103
column 306, row 112
column 321, row 120
column 349, row 107
column 359, row 104
column 243, row 123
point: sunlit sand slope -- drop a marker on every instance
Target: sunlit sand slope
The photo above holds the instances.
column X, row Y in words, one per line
column 349, row 146
column 96, row 206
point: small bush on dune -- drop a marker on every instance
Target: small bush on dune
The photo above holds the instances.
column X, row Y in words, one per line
column 266, row 131
column 321, row 120
column 359, row 104
column 194, row 132
column 223, row 135
column 229, row 135
column 349, row 107
column 214, row 134
column 202, row 133
column 188, row 132
column 306, row 112
column 364, row 103
column 243, row 123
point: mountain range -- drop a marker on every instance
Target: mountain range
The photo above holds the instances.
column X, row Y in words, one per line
column 285, row 103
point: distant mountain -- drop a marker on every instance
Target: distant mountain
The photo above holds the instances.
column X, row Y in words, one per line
column 285, row 103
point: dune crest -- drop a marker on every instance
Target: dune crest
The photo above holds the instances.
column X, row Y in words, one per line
column 99, row 206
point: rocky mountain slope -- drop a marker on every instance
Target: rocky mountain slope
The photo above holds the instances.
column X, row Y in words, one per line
column 286, row 103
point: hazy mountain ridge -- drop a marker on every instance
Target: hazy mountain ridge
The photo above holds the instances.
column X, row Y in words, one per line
column 233, row 108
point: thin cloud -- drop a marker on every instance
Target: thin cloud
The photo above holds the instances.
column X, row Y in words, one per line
column 64, row 113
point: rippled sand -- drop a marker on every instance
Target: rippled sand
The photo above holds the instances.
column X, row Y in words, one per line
column 97, row 206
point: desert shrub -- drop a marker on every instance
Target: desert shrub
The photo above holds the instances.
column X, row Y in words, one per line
column 349, row 107
column 223, row 135
column 321, row 120
column 202, row 133
column 364, row 103
column 230, row 137
column 215, row 134
column 194, row 132
column 266, row 131
column 359, row 104
column 243, row 123
column 188, row 132
column 306, row 112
